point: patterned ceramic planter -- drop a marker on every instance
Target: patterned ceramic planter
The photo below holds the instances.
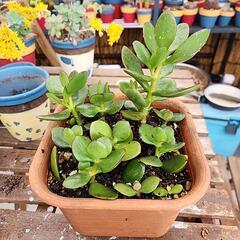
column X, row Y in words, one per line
column 225, row 18
column 208, row 17
column 144, row 15
column 189, row 16
column 22, row 99
column 129, row 13
column 28, row 54
column 107, row 15
column 79, row 57
column 117, row 7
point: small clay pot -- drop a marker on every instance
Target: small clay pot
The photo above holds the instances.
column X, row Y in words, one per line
column 117, row 7
column 208, row 17
column 129, row 13
column 107, row 15
column 144, row 15
column 189, row 16
column 225, row 18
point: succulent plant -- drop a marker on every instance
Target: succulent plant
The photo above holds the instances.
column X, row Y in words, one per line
column 166, row 45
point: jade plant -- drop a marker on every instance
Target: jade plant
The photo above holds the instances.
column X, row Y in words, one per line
column 110, row 146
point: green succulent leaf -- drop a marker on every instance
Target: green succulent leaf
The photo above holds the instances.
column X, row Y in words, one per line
column 129, row 105
column 54, row 99
column 166, row 70
column 65, row 114
column 166, row 84
column 136, row 97
column 141, row 52
column 111, row 161
column 77, row 180
column 130, row 61
column 54, row 163
column 190, row 47
column 125, row 189
column 132, row 149
column 100, row 128
column 53, row 85
column 176, row 189
column 160, row 192
column 175, row 164
column 165, row 29
column 63, row 79
column 99, row 99
column 181, row 35
column 88, row 109
column 132, row 115
column 158, row 56
column 83, row 165
column 80, row 96
column 79, row 149
column 149, row 37
column 177, row 117
column 133, row 172
column 152, row 135
column 68, row 135
column 58, row 137
column 77, row 130
column 100, row 191
column 76, row 83
column 114, row 107
column 121, row 131
column 164, row 114
column 169, row 147
column 150, row 184
column 170, row 134
column 151, row 161
column 140, row 77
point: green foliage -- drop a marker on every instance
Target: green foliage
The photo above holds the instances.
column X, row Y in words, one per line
column 101, row 101
column 175, row 164
column 69, row 91
column 54, row 163
column 169, row 116
column 173, row 189
column 161, row 137
column 166, row 45
column 133, row 172
column 100, row 191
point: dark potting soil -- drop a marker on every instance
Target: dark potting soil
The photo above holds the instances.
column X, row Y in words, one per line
column 67, row 164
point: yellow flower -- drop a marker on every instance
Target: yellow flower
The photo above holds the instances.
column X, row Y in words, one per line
column 96, row 24
column 114, row 32
column 11, row 46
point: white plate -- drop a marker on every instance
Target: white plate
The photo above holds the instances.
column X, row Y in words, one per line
column 222, row 89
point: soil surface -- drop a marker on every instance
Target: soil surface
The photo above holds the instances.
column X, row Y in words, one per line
column 67, row 164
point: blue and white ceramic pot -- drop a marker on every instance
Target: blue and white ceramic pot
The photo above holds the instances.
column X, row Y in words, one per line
column 77, row 57
column 22, row 99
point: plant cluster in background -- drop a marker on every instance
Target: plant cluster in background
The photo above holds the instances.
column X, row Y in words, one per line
column 99, row 148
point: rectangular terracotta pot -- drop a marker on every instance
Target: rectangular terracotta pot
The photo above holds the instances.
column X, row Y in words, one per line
column 125, row 217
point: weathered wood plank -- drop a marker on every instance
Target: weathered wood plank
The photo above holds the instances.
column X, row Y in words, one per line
column 31, row 226
column 217, row 179
column 215, row 204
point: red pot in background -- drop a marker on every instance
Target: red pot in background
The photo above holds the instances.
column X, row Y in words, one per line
column 107, row 17
column 41, row 22
column 189, row 16
column 129, row 13
column 117, row 12
column 200, row 3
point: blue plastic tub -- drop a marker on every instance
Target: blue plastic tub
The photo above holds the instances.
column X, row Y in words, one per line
column 21, row 83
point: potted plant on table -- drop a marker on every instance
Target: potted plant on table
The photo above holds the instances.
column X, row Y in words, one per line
column 129, row 12
column 190, row 11
column 126, row 149
column 117, row 7
column 225, row 17
column 209, row 14
column 106, row 13
column 17, row 43
column 177, row 12
column 144, row 12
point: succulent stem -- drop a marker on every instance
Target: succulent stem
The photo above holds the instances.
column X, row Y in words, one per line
column 74, row 111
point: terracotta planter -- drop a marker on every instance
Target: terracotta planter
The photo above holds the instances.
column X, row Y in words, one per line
column 28, row 54
column 129, row 14
column 189, row 16
column 124, row 217
column 208, row 17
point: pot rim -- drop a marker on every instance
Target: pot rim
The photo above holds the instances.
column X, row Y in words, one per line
column 200, row 182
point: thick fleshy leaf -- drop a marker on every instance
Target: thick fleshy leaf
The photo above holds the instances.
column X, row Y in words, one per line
column 80, row 96
column 58, row 137
column 175, row 164
column 99, row 149
column 99, row 99
column 100, row 191
column 170, row 134
column 164, row 114
column 53, row 85
column 129, row 105
column 190, row 47
column 88, row 109
column 54, row 99
column 99, row 129
column 176, row 189
column 139, row 76
column 149, row 37
column 177, row 117
column 121, row 131
column 136, row 97
column 133, row 172
column 68, row 135
column 125, row 189
column 77, row 83
column 166, row 70
column 63, row 78
column 65, row 114
column 132, row 149
column 107, row 142
column 77, row 180
column 158, row 56
column 97, row 88
column 152, row 135
column 130, row 61
column 79, row 148
column 166, row 85
column 175, row 93
column 114, row 107
column 151, row 161
column 170, row 147
column 160, row 192
column 181, row 35
column 83, row 165
column 165, row 29
column 54, row 163
column 132, row 115
column 77, row 130
column 111, row 161
column 141, row 52
column 150, row 184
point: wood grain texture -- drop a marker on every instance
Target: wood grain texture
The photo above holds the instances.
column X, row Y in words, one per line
column 50, row 226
